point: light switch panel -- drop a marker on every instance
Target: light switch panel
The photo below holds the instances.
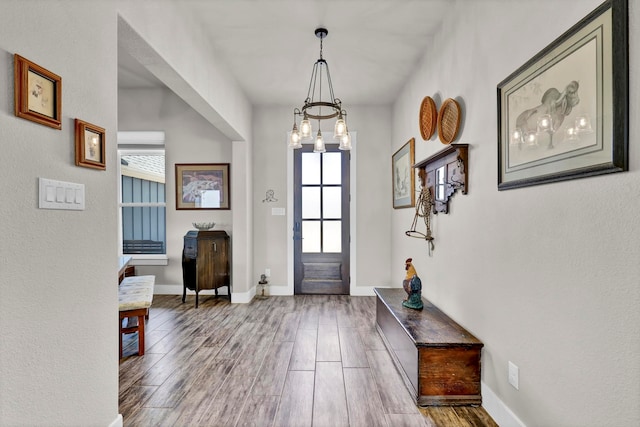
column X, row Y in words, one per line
column 60, row 195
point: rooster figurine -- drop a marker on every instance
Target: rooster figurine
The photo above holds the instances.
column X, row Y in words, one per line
column 412, row 286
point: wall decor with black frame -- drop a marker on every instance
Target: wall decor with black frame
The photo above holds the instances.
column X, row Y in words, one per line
column 564, row 113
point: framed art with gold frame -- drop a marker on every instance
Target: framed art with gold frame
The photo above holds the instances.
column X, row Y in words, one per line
column 90, row 145
column 38, row 93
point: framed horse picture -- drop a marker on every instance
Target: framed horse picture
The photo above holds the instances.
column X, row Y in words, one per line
column 564, row 114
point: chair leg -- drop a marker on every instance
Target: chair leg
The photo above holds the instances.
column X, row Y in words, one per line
column 141, row 335
column 120, row 327
column 135, row 323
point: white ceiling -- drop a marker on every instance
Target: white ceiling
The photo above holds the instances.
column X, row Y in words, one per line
column 270, row 46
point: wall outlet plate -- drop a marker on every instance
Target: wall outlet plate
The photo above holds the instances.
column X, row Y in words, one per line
column 514, row 373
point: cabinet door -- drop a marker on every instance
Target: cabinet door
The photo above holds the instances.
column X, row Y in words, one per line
column 206, row 260
column 221, row 262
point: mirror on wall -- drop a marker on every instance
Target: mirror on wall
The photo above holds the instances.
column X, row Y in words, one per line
column 440, row 184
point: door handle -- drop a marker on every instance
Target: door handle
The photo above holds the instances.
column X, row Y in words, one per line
column 296, row 230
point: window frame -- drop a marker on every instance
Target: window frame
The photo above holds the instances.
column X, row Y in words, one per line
column 140, row 259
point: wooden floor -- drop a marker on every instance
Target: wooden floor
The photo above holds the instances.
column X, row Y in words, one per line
column 283, row 361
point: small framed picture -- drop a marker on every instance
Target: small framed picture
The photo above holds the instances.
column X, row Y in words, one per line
column 403, row 176
column 90, row 145
column 202, row 186
column 38, row 93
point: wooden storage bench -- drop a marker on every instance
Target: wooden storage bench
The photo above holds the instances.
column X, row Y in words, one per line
column 438, row 359
column 135, row 294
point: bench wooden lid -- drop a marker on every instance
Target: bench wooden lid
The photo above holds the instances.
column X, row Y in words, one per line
column 429, row 327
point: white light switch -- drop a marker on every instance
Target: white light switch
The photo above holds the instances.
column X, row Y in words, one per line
column 60, row 195
column 71, row 195
column 50, row 193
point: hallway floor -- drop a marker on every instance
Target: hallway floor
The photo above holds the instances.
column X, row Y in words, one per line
column 283, row 361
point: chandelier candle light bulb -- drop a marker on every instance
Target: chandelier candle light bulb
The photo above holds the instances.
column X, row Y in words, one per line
column 345, row 141
column 319, row 145
column 305, row 127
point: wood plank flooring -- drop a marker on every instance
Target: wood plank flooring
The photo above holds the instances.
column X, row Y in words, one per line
column 283, row 361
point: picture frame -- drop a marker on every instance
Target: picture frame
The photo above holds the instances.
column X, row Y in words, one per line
column 403, row 179
column 203, row 186
column 90, row 145
column 37, row 93
column 564, row 113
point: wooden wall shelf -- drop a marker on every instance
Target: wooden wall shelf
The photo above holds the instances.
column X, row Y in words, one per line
column 444, row 173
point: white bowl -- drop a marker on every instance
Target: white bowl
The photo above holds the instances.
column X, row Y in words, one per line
column 204, row 225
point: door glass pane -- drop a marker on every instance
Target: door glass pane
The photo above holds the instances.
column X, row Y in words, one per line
column 332, row 202
column 332, row 237
column 310, row 202
column 331, row 168
column 310, row 236
column 310, row 168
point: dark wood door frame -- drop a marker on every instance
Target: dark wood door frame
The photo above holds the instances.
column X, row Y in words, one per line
column 324, row 273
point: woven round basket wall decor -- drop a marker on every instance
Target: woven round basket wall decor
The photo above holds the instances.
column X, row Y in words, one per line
column 428, row 118
column 448, row 121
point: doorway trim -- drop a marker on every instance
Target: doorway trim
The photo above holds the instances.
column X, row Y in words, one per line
column 288, row 290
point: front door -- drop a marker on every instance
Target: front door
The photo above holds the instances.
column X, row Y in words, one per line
column 321, row 221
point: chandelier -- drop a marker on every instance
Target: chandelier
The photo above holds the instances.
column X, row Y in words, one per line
column 315, row 108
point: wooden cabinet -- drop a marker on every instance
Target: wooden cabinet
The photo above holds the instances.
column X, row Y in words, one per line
column 205, row 262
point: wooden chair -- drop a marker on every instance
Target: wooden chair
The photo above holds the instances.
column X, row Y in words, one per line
column 135, row 295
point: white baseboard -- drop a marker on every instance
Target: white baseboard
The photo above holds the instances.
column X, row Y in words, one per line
column 278, row 290
column 177, row 290
column 236, row 297
column 243, row 297
column 283, row 290
column 118, row 422
column 167, row 289
column 363, row 291
column 500, row 412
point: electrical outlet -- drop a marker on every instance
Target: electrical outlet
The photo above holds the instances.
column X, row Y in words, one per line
column 267, row 272
column 513, row 375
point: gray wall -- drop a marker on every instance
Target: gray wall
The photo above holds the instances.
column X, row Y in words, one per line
column 58, row 293
column 545, row 276
column 371, row 193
